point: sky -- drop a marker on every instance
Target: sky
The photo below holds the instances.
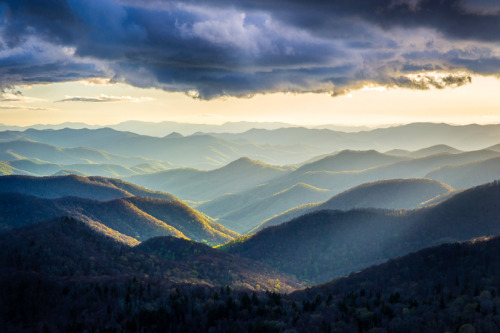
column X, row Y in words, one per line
column 351, row 62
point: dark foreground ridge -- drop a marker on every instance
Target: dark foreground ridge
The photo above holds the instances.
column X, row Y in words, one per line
column 452, row 287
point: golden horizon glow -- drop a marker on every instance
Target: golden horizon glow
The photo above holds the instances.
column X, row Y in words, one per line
column 370, row 106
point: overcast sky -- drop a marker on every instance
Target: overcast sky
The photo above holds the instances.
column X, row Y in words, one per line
column 332, row 61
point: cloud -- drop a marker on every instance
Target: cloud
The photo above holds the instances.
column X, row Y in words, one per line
column 105, row 99
column 17, row 97
column 18, row 107
column 242, row 47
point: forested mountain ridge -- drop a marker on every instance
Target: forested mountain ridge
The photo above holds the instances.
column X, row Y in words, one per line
column 97, row 188
column 322, row 245
column 386, row 194
column 451, row 287
column 139, row 218
column 68, row 248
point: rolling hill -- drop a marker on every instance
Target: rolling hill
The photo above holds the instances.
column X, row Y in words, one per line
column 452, row 283
column 66, row 247
column 198, row 151
column 198, row 185
column 47, row 153
column 470, row 174
column 97, row 188
column 322, row 245
column 339, row 181
column 405, row 137
column 139, row 218
column 386, row 194
column 433, row 150
column 24, row 166
column 246, row 217
column 349, row 160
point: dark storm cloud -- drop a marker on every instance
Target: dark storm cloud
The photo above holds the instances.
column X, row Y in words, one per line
column 243, row 47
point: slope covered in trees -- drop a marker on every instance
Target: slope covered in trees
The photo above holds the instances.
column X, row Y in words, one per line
column 322, row 245
column 387, row 194
column 242, row 218
column 448, row 288
column 66, row 247
column 97, row 188
column 139, row 218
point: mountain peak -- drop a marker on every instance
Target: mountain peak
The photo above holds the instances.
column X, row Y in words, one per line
column 174, row 135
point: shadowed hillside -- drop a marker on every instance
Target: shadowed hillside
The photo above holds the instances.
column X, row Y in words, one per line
column 66, row 247
column 324, row 244
column 449, row 288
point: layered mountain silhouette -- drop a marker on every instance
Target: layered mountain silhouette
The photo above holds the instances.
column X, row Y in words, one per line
column 246, row 216
column 137, row 218
column 200, row 151
column 387, row 194
column 324, row 244
column 470, row 174
column 433, row 150
column 339, row 181
column 66, row 247
column 197, row 185
column 406, row 137
column 61, row 272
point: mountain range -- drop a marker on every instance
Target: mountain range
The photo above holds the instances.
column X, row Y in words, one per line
column 325, row 244
column 107, row 230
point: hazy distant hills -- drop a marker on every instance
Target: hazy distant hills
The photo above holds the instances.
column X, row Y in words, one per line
column 347, row 176
column 348, row 160
column 386, row 194
column 433, row 150
column 408, row 137
column 324, row 244
column 30, row 157
column 42, row 152
column 201, row 151
column 198, row 185
column 244, row 217
column 290, row 145
column 470, row 174
column 164, row 128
